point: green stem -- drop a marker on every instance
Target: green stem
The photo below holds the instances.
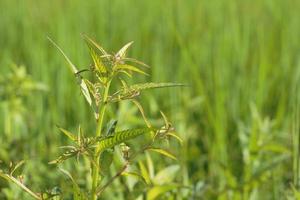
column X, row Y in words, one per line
column 95, row 168
column 21, row 185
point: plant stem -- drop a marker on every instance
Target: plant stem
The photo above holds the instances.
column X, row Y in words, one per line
column 21, row 185
column 95, row 168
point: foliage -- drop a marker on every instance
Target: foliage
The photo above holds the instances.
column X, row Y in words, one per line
column 239, row 57
column 105, row 71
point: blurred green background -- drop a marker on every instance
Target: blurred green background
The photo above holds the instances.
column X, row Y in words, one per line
column 238, row 119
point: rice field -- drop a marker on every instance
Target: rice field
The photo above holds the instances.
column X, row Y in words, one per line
column 238, row 117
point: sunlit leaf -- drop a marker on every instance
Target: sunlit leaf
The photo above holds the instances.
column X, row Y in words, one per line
column 144, row 86
column 100, row 67
column 156, row 191
column 67, row 133
column 132, row 91
column 19, row 164
column 144, row 173
column 150, row 165
column 132, row 60
column 92, row 43
column 163, row 152
column 135, row 175
column 129, row 68
column 175, row 136
column 122, row 52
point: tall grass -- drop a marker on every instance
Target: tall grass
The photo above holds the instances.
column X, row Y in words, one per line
column 240, row 58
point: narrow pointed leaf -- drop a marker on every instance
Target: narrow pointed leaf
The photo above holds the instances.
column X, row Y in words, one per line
column 132, row 91
column 67, row 133
column 135, row 61
column 175, row 136
column 135, row 175
column 156, row 191
column 144, row 173
column 94, row 44
column 19, row 164
column 145, row 86
column 129, row 68
column 71, row 65
column 165, row 118
column 81, row 82
column 163, row 152
column 142, row 112
column 122, row 52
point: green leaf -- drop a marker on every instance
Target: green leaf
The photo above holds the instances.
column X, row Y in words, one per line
column 19, row 164
column 150, row 85
column 165, row 118
column 144, row 173
column 72, row 66
column 66, row 155
column 122, row 136
column 166, row 175
column 175, row 136
column 156, row 191
column 122, row 52
column 135, row 61
column 163, row 152
column 135, row 175
column 150, row 165
column 77, row 193
column 132, row 91
column 129, row 68
column 111, row 127
column 140, row 107
column 93, row 44
column 68, row 134
column 100, row 67
column 81, row 82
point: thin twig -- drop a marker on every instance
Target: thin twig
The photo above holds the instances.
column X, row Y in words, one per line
column 120, row 172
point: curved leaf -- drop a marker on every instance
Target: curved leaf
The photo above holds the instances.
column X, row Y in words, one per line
column 92, row 43
column 122, row 136
column 130, row 92
column 83, row 86
column 122, row 52
column 156, row 191
column 67, row 133
column 129, row 68
column 163, row 152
